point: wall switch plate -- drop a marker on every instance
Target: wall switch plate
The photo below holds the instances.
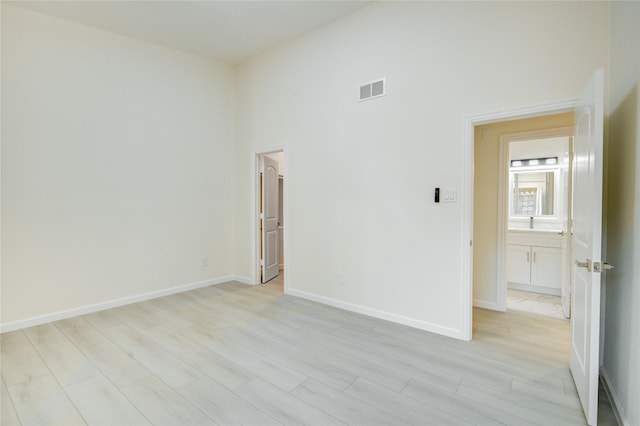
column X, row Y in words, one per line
column 449, row 195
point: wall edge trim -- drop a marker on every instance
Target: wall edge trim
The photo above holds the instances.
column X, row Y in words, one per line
column 114, row 303
column 375, row 313
column 241, row 279
column 485, row 304
column 618, row 411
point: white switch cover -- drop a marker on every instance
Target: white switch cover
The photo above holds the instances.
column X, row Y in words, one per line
column 449, row 195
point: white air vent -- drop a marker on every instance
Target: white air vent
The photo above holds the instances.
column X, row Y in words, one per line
column 371, row 90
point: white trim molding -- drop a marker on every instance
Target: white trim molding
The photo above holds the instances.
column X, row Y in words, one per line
column 484, row 304
column 466, row 199
column 618, row 411
column 399, row 319
column 241, row 279
column 88, row 309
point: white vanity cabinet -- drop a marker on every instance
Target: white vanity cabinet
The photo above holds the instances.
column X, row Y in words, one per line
column 535, row 261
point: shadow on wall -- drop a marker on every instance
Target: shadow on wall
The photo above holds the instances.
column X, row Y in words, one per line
column 622, row 306
column 621, row 186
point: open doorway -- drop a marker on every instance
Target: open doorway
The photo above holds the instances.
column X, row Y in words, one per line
column 271, row 170
column 515, row 263
column 535, row 206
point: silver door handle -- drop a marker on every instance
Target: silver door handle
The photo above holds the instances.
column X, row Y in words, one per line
column 599, row 267
column 561, row 233
column 586, row 264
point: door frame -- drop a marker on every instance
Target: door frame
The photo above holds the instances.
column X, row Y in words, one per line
column 468, row 140
column 255, row 213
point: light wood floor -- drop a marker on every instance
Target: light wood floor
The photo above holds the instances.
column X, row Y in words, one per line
column 233, row 354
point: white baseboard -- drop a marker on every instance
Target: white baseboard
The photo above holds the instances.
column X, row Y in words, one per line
column 618, row 411
column 82, row 310
column 536, row 289
column 241, row 279
column 486, row 305
column 399, row 319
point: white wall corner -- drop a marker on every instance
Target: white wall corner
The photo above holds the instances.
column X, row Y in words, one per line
column 242, row 279
column 618, row 410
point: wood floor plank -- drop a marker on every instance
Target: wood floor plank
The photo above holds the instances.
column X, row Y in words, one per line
column 42, row 401
column 468, row 410
column 304, row 363
column 162, row 405
column 63, row 358
column 132, row 316
column 20, row 361
column 113, row 362
column 446, row 381
column 163, row 364
column 8, row 415
column 403, row 407
column 342, row 406
column 283, row 406
column 102, row 319
column 527, row 409
column 223, row 406
column 354, row 363
column 220, row 369
column 110, row 408
column 555, row 398
column 274, row 372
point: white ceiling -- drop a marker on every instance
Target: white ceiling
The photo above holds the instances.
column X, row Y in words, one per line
column 231, row 31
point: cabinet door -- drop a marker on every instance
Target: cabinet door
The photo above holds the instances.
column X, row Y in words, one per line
column 546, row 267
column 518, row 264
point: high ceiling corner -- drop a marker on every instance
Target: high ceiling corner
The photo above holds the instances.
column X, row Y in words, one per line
column 229, row 31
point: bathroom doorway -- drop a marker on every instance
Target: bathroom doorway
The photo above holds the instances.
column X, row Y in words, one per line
column 499, row 235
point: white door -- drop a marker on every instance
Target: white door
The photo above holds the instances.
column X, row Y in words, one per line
column 587, row 241
column 270, row 196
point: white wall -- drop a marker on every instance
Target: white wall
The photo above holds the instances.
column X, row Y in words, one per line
column 539, row 148
column 116, row 167
column 622, row 314
column 361, row 175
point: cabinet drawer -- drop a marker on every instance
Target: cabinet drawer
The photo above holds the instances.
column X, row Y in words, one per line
column 539, row 239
